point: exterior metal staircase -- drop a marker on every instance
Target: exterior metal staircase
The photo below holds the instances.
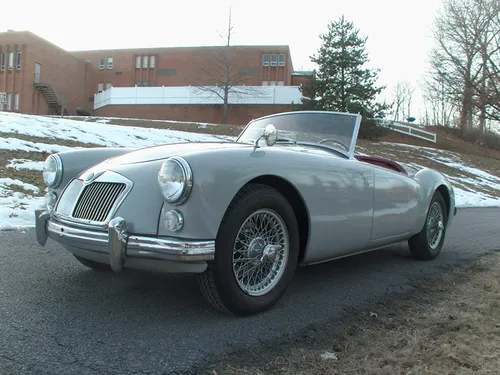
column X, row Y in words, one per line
column 50, row 96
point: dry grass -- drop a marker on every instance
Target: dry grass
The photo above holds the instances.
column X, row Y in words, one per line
column 470, row 153
column 453, row 327
column 25, row 175
column 55, row 140
column 191, row 127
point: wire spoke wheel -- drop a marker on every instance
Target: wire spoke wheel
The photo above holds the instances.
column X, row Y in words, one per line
column 260, row 252
column 435, row 225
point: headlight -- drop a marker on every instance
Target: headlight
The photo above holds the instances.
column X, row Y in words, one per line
column 52, row 171
column 175, row 179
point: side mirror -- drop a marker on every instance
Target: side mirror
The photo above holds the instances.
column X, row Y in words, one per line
column 270, row 135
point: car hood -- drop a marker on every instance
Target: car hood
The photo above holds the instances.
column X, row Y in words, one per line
column 164, row 151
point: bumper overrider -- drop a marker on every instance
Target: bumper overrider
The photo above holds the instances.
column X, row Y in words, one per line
column 122, row 249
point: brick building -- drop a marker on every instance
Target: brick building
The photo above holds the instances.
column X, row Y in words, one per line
column 41, row 78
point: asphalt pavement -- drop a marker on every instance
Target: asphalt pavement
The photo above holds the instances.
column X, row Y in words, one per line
column 58, row 317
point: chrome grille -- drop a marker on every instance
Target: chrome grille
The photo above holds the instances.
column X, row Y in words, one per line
column 97, row 200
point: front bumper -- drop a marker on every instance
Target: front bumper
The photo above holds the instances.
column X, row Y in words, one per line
column 120, row 248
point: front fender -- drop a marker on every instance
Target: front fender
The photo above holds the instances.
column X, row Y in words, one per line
column 217, row 178
column 76, row 161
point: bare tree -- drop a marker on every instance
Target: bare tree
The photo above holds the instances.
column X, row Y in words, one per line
column 398, row 94
column 440, row 103
column 63, row 101
column 223, row 75
column 465, row 34
column 402, row 94
column 488, row 87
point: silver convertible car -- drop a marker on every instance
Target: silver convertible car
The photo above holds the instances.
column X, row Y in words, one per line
column 290, row 191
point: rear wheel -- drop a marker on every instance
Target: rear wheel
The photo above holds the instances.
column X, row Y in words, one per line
column 427, row 244
column 257, row 249
column 102, row 267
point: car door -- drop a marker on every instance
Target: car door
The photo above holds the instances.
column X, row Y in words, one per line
column 396, row 200
column 340, row 202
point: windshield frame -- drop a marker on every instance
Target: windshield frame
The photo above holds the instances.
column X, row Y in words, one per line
column 352, row 146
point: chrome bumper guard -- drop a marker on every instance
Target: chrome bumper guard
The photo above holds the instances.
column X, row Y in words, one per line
column 119, row 244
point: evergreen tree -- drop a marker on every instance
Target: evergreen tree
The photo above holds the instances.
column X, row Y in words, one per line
column 342, row 81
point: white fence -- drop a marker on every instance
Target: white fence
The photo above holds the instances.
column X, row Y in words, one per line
column 412, row 131
column 196, row 95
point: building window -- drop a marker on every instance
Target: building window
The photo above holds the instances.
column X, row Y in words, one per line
column 109, row 85
column 18, row 61
column 272, row 83
column 101, row 63
column 281, row 60
column 265, row 60
column 144, row 84
column 145, row 62
column 2, row 62
column 273, row 59
column 100, row 87
column 151, row 61
column 11, row 60
column 16, row 102
column 280, row 83
column 110, row 63
column 151, row 84
column 137, row 83
column 138, row 62
column 265, row 83
column 8, row 101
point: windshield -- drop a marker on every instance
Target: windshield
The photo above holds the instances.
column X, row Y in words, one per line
column 331, row 129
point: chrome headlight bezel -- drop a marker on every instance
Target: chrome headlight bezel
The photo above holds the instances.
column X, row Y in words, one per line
column 57, row 174
column 182, row 194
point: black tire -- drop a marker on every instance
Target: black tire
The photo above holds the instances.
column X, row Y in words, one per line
column 218, row 283
column 419, row 245
column 96, row 266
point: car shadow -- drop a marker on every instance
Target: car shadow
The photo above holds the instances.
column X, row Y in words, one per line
column 146, row 292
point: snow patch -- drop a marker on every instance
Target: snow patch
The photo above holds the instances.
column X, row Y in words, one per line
column 4, row 182
column 25, row 164
column 15, row 144
column 329, row 355
column 17, row 208
column 90, row 133
column 472, row 198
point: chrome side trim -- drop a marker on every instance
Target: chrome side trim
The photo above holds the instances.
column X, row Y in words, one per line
column 182, row 251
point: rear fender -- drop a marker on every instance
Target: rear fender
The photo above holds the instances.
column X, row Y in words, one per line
column 431, row 181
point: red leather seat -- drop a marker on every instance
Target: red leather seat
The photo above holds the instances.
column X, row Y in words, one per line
column 382, row 162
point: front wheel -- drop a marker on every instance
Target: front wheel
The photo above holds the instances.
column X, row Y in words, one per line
column 257, row 250
column 427, row 244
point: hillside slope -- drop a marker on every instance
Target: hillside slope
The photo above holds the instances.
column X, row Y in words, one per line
column 24, row 141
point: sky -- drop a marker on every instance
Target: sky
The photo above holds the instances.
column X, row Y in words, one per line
column 399, row 31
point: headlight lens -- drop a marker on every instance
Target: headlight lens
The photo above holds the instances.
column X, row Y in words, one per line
column 52, row 171
column 175, row 179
